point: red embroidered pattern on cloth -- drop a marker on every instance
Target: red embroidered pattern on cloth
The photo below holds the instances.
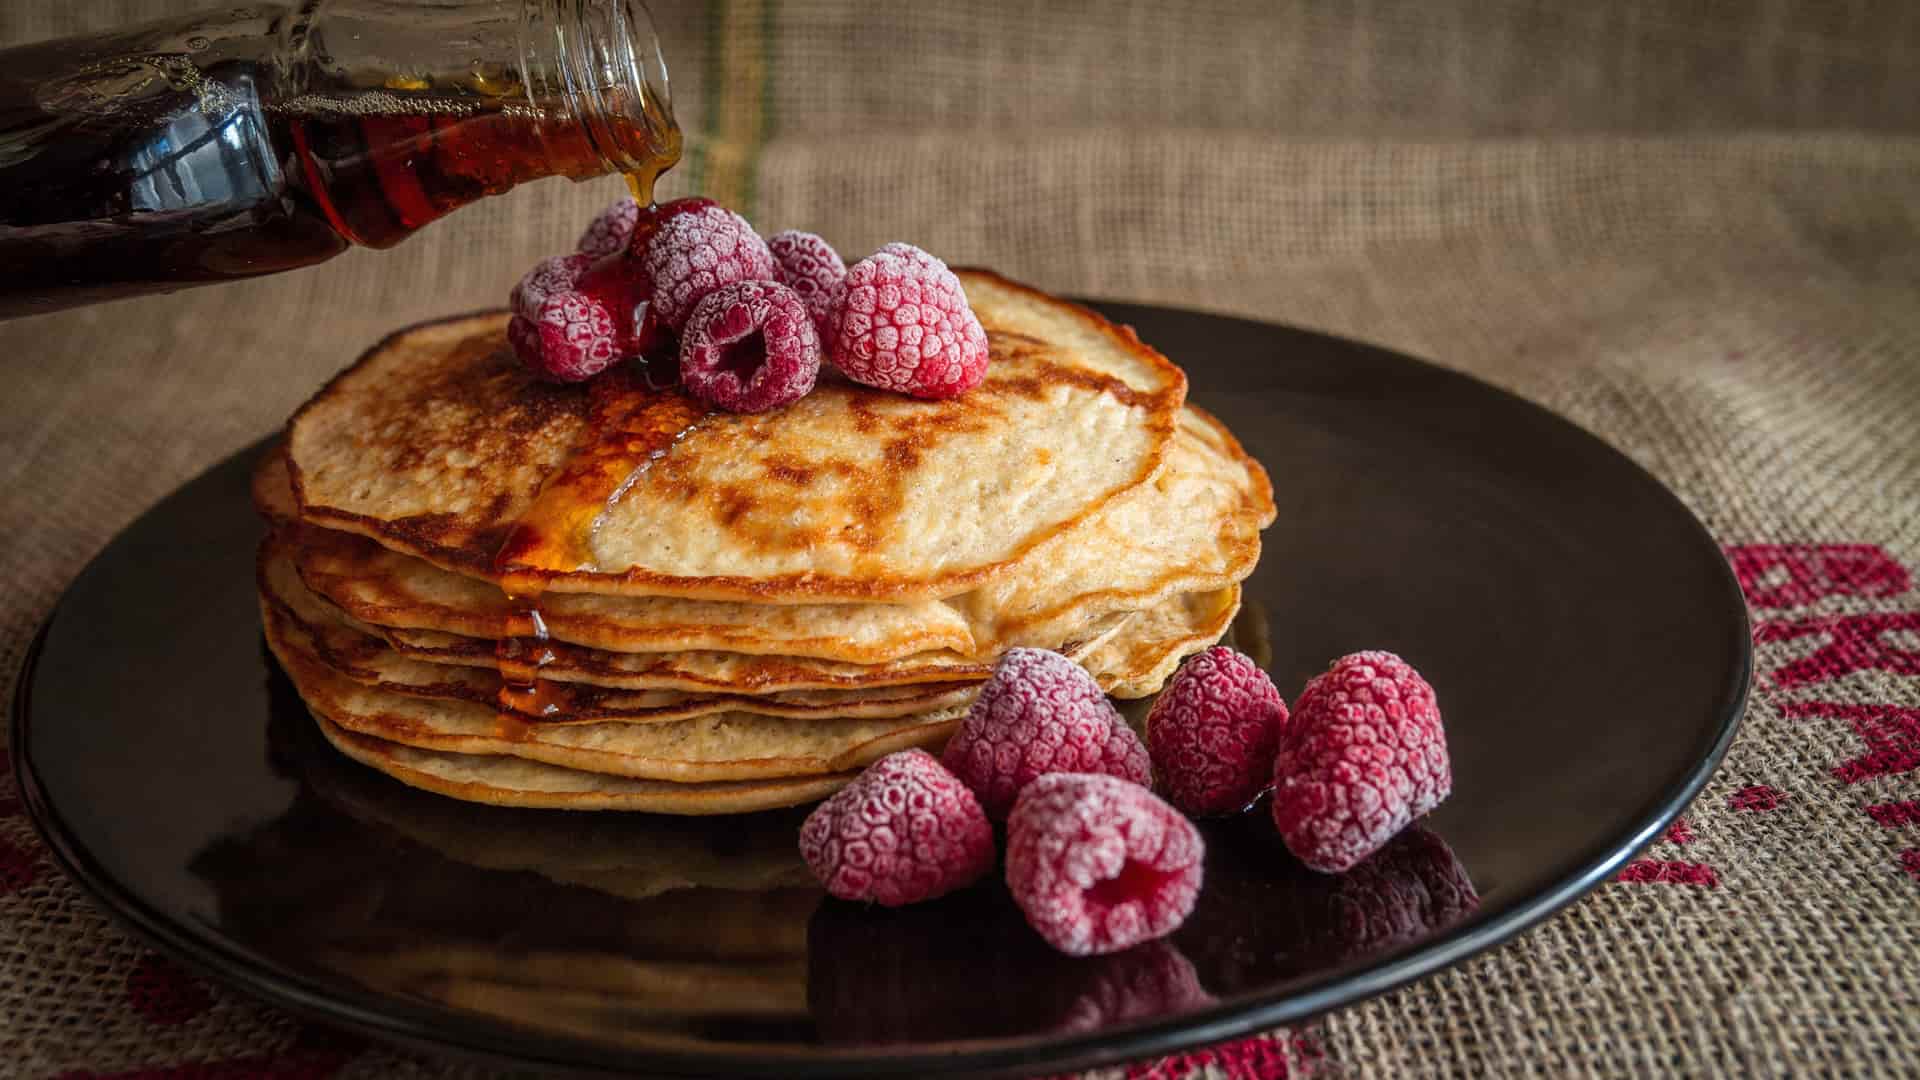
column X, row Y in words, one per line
column 1886, row 641
column 1895, row 814
column 1787, row 576
column 1892, row 735
column 1850, row 643
column 1797, row 575
column 1668, row 872
column 1756, row 799
column 1258, row 1058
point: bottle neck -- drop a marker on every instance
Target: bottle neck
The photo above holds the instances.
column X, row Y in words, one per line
column 578, row 72
column 403, row 111
column 596, row 65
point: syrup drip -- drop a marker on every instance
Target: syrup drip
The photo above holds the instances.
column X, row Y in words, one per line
column 634, row 418
column 522, row 649
column 641, row 182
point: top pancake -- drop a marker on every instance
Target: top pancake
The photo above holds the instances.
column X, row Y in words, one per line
column 437, row 443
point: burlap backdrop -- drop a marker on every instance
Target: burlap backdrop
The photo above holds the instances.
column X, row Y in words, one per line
column 1694, row 229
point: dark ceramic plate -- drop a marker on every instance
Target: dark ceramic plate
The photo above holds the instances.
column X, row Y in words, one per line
column 1587, row 641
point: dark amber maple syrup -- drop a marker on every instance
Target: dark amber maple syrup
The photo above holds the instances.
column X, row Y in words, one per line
column 205, row 177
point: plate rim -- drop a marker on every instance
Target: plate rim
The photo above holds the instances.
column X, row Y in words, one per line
column 470, row 1036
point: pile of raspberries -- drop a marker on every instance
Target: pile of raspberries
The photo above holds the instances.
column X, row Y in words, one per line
column 751, row 320
column 1095, row 859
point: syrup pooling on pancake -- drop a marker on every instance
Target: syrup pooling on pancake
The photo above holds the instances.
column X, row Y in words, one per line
column 633, row 421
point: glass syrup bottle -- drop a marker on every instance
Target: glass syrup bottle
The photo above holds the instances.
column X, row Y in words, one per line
column 273, row 136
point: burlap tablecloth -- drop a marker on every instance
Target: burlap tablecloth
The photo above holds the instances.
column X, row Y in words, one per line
column 1694, row 229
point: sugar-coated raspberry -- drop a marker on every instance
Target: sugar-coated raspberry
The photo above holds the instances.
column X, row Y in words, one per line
column 615, row 272
column 904, row 324
column 904, row 831
column 626, row 228
column 808, row 265
column 1098, row 864
column 648, row 221
column 1213, row 733
column 550, row 276
column 1363, row 756
column 749, row 347
column 692, row 253
column 574, row 316
column 558, row 331
column 1040, row 713
column 610, row 231
column 569, row 340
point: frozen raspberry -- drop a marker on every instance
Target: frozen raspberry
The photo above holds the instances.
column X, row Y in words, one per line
column 647, row 222
column 694, row 252
column 1098, row 864
column 1363, row 756
column 617, row 275
column 625, row 227
column 1213, row 733
column 903, row 832
column 610, row 231
column 549, row 277
column 1040, row 713
column 558, row 331
column 574, row 316
column 809, row 266
column 570, row 341
column 750, row 347
column 904, row 325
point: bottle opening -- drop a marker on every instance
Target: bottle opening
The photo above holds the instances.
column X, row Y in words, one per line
column 599, row 62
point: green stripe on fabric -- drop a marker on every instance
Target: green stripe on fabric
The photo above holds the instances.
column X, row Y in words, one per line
column 738, row 95
column 698, row 157
column 764, row 130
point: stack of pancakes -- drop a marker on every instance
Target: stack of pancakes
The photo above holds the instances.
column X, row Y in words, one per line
column 605, row 596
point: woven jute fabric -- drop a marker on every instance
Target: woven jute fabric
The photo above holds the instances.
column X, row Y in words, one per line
column 1693, row 229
